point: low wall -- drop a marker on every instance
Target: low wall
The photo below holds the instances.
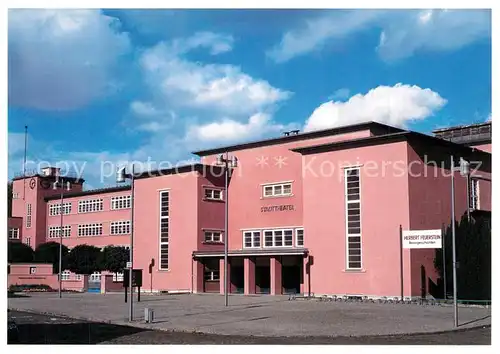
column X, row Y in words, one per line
column 50, row 280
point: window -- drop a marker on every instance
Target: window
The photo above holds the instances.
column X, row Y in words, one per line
column 213, row 236
column 15, row 195
column 120, row 228
column 251, row 239
column 211, row 271
column 54, row 231
column 299, row 238
column 278, row 238
column 353, row 218
column 474, row 194
column 78, row 277
column 13, row 233
column 32, row 270
column 95, row 277
column 90, row 229
column 90, row 205
column 65, row 275
column 117, row 277
column 164, row 229
column 28, row 215
column 277, row 190
column 55, row 209
column 213, row 194
column 121, row 202
column 28, row 241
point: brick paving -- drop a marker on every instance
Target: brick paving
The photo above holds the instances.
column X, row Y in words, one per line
column 266, row 316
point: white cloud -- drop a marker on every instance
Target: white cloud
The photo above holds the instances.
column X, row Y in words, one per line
column 205, row 86
column 62, row 59
column 216, row 42
column 231, row 130
column 340, row 94
column 403, row 32
column 393, row 105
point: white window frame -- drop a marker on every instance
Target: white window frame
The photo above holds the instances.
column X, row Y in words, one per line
column 212, row 194
column 348, row 234
column 65, row 275
column 28, row 215
column 297, row 237
column 211, row 234
column 94, row 229
column 95, row 277
column 274, row 232
column 475, row 194
column 55, row 209
column 15, row 195
column 120, row 227
column 32, row 270
column 121, row 202
column 161, row 218
column 118, row 277
column 53, row 231
column 254, row 235
column 13, row 233
column 277, row 189
column 90, row 205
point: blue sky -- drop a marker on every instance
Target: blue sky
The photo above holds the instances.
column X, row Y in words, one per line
column 102, row 88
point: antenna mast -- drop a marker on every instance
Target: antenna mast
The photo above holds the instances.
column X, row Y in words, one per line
column 24, row 163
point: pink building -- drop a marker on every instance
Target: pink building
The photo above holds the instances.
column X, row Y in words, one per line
column 316, row 212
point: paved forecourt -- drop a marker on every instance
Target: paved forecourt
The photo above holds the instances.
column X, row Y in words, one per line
column 256, row 315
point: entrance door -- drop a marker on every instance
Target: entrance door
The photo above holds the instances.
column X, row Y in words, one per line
column 211, row 282
column 237, row 275
column 94, row 283
column 291, row 274
column 262, row 275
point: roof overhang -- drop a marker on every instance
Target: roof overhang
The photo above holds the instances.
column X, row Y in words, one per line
column 254, row 252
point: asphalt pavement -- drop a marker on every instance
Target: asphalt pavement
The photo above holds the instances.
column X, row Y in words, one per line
column 45, row 329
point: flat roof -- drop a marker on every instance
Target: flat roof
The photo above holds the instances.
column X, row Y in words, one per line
column 89, row 192
column 389, row 138
column 457, row 127
column 300, row 136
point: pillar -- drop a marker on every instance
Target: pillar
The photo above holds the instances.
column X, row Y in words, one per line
column 249, row 275
column 276, row 285
column 199, row 274
column 221, row 276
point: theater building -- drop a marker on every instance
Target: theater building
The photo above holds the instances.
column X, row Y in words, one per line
column 311, row 213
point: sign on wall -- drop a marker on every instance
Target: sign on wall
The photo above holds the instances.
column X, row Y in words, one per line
column 267, row 209
column 422, row 239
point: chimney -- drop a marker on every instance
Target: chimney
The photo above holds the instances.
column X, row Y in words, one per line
column 50, row 171
column 295, row 132
column 286, row 133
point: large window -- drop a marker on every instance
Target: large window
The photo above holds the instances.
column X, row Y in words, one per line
column 90, row 229
column 65, row 275
column 13, row 233
column 213, row 194
column 121, row 202
column 55, row 209
column 28, row 215
column 277, row 190
column 90, row 205
column 353, row 218
column 251, row 239
column 278, row 238
column 54, row 231
column 213, row 236
column 164, row 229
column 474, row 194
column 120, row 227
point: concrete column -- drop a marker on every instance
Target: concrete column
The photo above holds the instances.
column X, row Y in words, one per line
column 103, row 283
column 249, row 269
column 221, row 275
column 276, row 286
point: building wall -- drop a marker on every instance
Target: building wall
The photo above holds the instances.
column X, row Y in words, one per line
column 384, row 207
column 210, row 212
column 484, row 147
column 106, row 216
column 263, row 165
column 183, row 229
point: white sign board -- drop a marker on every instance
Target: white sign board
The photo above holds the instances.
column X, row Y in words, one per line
column 422, row 239
column 129, row 265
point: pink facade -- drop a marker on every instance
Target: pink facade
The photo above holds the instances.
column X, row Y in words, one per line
column 314, row 213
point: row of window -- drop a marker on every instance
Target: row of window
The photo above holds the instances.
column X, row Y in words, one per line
column 273, row 238
column 268, row 190
column 94, row 229
column 164, row 229
column 55, row 209
column 94, row 277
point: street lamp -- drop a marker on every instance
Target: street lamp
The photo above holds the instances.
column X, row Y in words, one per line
column 60, row 182
column 121, row 177
column 227, row 163
column 464, row 169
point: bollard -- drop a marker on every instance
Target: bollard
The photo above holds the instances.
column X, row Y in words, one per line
column 148, row 315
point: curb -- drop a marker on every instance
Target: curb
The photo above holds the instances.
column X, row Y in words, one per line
column 142, row 325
